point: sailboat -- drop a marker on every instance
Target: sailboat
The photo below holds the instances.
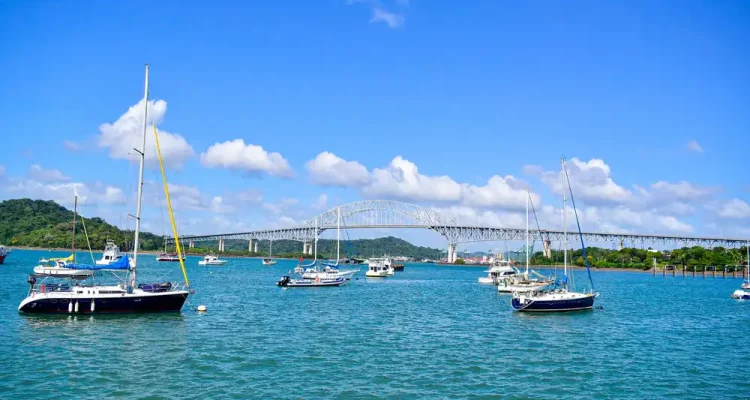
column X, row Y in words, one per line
column 269, row 260
column 67, row 267
column 331, row 270
column 743, row 294
column 311, row 276
column 562, row 297
column 522, row 283
column 123, row 297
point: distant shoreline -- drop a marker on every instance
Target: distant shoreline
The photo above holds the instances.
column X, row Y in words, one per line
column 226, row 255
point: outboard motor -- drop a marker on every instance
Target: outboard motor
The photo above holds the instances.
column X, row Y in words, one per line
column 284, row 281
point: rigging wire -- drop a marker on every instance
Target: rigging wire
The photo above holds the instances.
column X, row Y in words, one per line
column 578, row 223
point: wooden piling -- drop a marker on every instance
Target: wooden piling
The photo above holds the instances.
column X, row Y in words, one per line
column 674, row 271
column 663, row 272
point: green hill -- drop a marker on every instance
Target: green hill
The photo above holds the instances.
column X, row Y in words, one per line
column 38, row 223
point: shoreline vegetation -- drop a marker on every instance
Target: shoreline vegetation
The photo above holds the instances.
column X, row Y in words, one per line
column 46, row 225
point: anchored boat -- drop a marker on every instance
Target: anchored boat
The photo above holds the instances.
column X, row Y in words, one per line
column 111, row 254
column 211, row 259
column 742, row 294
column 124, row 297
column 560, row 297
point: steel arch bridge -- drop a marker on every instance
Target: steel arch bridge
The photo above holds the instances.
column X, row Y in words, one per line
column 395, row 214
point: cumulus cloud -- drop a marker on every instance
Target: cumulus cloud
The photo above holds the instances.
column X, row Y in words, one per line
column 734, row 208
column 401, row 180
column 330, row 170
column 591, row 180
column 393, row 20
column 219, row 206
column 694, row 146
column 63, row 193
column 235, row 154
column 38, row 173
column 125, row 134
column 499, row 192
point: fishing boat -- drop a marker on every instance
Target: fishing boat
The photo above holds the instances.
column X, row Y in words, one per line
column 269, row 260
column 4, row 251
column 560, row 296
column 123, row 297
column 377, row 268
column 385, row 262
column 111, row 254
column 211, row 259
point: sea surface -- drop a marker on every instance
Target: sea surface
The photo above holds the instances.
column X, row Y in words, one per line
column 429, row 332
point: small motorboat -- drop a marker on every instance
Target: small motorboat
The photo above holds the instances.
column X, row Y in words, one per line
column 498, row 272
column 397, row 266
column 268, row 261
column 287, row 281
column 211, row 259
column 378, row 269
column 111, row 254
column 740, row 295
column 169, row 257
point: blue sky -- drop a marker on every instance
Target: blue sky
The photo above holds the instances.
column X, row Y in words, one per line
column 420, row 101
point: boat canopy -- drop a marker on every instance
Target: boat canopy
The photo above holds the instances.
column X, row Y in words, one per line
column 121, row 264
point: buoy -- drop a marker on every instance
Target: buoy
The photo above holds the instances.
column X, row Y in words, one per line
column 76, row 309
column 202, row 308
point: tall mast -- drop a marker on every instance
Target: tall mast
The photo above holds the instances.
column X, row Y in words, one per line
column 315, row 258
column 527, row 231
column 565, row 221
column 75, row 211
column 141, row 152
column 338, row 234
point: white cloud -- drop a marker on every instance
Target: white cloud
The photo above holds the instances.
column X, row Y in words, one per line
column 249, row 196
column 280, row 207
column 218, row 206
column 499, row 192
column 328, row 169
column 694, row 146
column 125, row 134
column 734, row 208
column 590, row 180
column 681, row 190
column 63, row 193
column 72, row 146
column 393, row 20
column 401, row 180
column 235, row 154
column 38, row 173
column 321, row 202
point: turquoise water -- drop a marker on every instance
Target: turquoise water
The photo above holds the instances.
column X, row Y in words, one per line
column 429, row 332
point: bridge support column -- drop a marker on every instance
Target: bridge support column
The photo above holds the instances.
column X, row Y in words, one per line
column 250, row 244
column 221, row 245
column 547, row 248
column 191, row 244
column 255, row 247
column 619, row 245
column 452, row 254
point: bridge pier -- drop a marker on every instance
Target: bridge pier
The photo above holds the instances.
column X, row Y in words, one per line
column 221, row 245
column 191, row 244
column 307, row 248
column 250, row 245
column 547, row 248
column 619, row 245
column 255, row 247
column 452, row 254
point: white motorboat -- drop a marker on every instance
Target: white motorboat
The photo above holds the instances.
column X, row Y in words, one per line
column 378, row 269
column 111, row 254
column 498, row 272
column 268, row 261
column 328, row 272
column 385, row 262
column 211, row 259
column 287, row 281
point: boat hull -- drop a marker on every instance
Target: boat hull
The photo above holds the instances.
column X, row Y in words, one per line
column 62, row 272
column 140, row 303
column 2, row 258
column 299, row 283
column 557, row 305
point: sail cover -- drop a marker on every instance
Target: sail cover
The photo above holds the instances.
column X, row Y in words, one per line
column 121, row 264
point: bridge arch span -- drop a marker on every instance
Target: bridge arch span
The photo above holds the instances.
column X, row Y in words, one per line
column 381, row 213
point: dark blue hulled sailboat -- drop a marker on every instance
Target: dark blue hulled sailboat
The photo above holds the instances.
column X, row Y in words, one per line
column 123, row 297
column 559, row 297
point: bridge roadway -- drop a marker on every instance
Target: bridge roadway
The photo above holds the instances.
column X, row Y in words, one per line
column 464, row 234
